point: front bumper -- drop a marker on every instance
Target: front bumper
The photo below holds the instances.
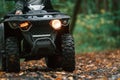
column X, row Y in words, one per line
column 43, row 46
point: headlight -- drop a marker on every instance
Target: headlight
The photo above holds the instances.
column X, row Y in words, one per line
column 25, row 25
column 56, row 24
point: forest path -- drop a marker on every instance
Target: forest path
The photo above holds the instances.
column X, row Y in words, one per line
column 89, row 66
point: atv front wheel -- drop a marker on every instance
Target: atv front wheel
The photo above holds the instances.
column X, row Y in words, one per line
column 68, row 52
column 3, row 62
column 53, row 61
column 12, row 55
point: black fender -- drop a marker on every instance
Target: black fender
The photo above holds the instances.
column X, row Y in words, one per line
column 1, row 36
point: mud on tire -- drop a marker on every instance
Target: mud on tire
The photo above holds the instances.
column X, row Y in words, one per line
column 68, row 52
column 12, row 55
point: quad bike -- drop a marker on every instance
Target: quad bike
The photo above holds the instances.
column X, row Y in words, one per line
column 34, row 35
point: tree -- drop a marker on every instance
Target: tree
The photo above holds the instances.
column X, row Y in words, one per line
column 74, row 16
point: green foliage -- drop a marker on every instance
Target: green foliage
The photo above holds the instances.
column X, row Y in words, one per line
column 5, row 7
column 95, row 33
column 65, row 6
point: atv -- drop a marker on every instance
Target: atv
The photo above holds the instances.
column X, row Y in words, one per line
column 34, row 35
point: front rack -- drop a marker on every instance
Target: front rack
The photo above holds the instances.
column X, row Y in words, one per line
column 36, row 16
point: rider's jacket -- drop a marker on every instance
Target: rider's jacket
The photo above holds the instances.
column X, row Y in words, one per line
column 22, row 4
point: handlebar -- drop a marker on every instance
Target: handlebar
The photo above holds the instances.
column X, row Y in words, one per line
column 35, row 14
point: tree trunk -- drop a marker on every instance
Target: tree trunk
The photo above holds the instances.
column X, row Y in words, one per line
column 106, row 5
column 115, row 9
column 75, row 13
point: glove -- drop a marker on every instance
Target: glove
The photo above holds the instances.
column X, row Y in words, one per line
column 18, row 12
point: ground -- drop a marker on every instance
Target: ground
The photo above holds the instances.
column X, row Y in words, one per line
column 89, row 66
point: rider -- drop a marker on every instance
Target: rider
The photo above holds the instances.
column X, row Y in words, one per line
column 23, row 5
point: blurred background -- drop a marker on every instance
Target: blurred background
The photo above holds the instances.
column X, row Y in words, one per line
column 95, row 24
